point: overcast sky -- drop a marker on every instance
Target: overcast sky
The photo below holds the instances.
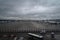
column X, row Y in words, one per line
column 29, row 9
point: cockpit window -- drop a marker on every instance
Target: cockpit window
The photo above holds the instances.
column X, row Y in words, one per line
column 29, row 15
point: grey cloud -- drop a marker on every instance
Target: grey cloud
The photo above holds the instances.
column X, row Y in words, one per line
column 25, row 9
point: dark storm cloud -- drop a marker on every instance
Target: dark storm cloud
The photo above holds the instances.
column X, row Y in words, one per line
column 25, row 9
